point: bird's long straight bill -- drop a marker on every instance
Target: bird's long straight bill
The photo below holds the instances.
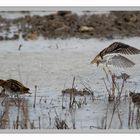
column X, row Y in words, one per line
column 94, row 60
column 25, row 92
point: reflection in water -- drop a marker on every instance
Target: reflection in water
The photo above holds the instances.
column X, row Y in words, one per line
column 21, row 114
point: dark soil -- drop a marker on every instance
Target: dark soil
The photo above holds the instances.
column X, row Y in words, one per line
column 64, row 24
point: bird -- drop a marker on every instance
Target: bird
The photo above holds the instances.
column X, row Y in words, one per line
column 135, row 98
column 13, row 88
column 111, row 55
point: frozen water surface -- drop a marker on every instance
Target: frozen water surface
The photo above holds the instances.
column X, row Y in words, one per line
column 51, row 65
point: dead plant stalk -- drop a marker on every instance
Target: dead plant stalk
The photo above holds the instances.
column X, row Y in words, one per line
column 35, row 96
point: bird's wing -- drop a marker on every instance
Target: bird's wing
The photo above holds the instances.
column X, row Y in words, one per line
column 118, row 47
column 16, row 84
column 120, row 61
column 10, row 84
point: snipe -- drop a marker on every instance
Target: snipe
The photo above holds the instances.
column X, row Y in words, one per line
column 111, row 55
column 135, row 98
column 13, row 87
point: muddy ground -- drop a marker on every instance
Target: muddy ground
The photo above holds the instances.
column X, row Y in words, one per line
column 64, row 24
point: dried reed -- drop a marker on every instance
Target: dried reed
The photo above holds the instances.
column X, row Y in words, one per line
column 35, row 96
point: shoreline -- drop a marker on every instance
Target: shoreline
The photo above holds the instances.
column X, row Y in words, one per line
column 66, row 24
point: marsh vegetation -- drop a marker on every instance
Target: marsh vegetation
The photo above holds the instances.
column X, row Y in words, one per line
column 67, row 91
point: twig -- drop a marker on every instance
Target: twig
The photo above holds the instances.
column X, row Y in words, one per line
column 132, row 115
column 39, row 122
column 72, row 94
column 129, row 114
column 114, row 108
column 107, row 77
column 25, row 114
column 106, row 117
column 113, row 85
column 17, row 120
column 119, row 116
column 50, row 122
column 19, row 47
column 106, row 87
column 123, row 82
column 35, row 96
column 63, row 101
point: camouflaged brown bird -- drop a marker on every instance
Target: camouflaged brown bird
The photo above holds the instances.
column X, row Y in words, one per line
column 111, row 55
column 13, row 87
column 135, row 98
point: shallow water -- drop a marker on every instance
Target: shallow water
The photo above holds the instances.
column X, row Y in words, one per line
column 17, row 14
column 51, row 65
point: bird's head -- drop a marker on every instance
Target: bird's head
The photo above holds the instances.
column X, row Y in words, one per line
column 96, row 60
column 131, row 93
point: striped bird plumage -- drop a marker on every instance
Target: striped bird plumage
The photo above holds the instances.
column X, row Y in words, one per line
column 14, row 86
column 116, row 48
column 135, row 98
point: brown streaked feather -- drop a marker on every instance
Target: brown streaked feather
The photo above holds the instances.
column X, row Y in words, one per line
column 135, row 98
column 118, row 47
column 15, row 82
column 95, row 59
column 16, row 86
